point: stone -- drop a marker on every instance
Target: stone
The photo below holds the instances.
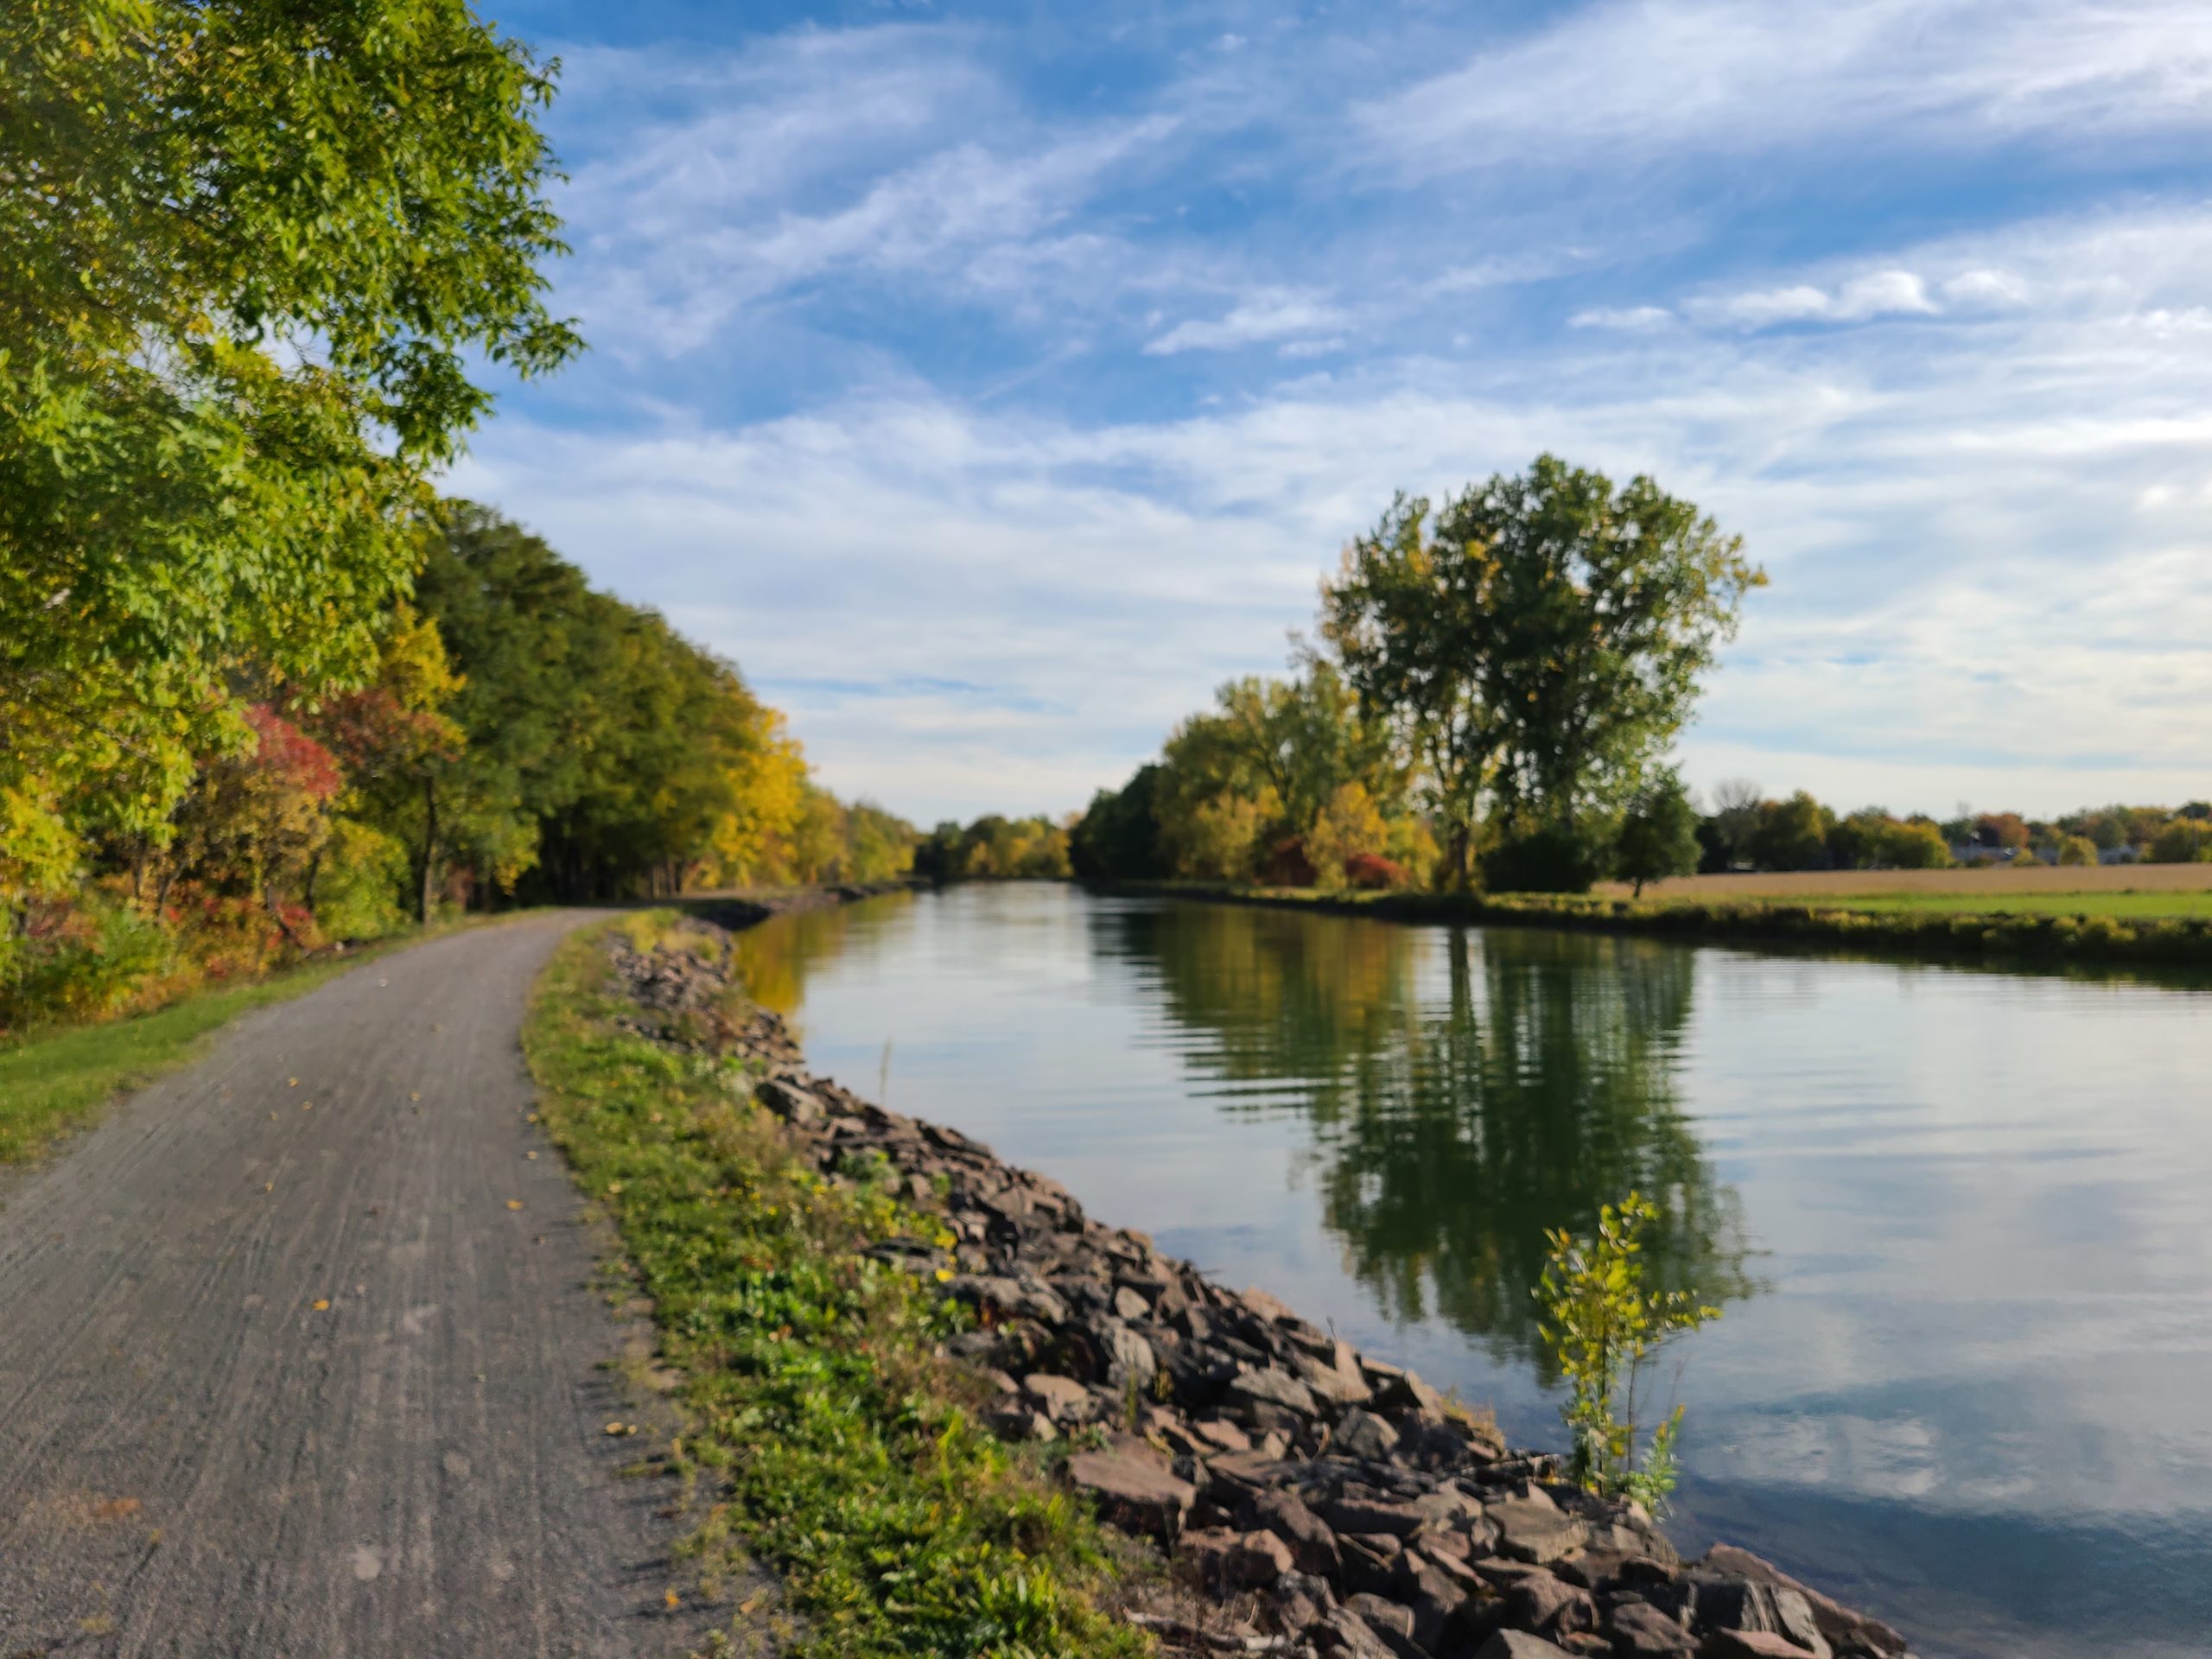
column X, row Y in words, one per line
column 1271, row 1386
column 795, row 1105
column 1060, row 1398
column 1517, row 1645
column 1748, row 1644
column 1534, row 1529
column 1018, row 1422
column 1370, row 1515
column 1134, row 1495
column 1363, row 1434
column 1840, row 1624
column 1129, row 1358
column 1259, row 1558
column 1336, row 1377
column 1400, row 1390
column 1344, row 1632
column 1222, row 1434
column 1370, row 1562
column 1312, row 1545
column 1550, row 1606
column 1758, row 1607
column 1130, row 1307
column 1641, row 1632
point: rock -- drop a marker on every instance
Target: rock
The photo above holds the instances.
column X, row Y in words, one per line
column 1060, row 1398
column 1312, row 1545
column 1259, row 1558
column 1842, row 1627
column 1271, row 1386
column 1344, row 1632
column 1392, row 1624
column 1130, row 1307
column 1370, row 1562
column 795, row 1105
column 1641, row 1632
column 1008, row 1298
column 1363, row 1434
column 1336, row 1377
column 1517, row 1645
column 1222, row 1433
column 1534, row 1529
column 1134, row 1495
column 1550, row 1606
column 1748, row 1644
column 1370, row 1516
column 1018, row 1422
column 1758, row 1607
column 1129, row 1358
column 1401, row 1391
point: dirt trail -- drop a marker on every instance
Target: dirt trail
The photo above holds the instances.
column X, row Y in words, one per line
column 313, row 1380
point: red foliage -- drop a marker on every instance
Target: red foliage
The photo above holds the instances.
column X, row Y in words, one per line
column 1373, row 871
column 290, row 754
column 374, row 732
column 1287, row 865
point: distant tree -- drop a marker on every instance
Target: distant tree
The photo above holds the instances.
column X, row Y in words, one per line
column 1914, row 844
column 1117, row 839
column 1658, row 835
column 2198, row 812
column 1541, row 646
column 942, row 855
column 1348, row 826
column 2077, row 850
column 2001, row 831
column 1735, row 816
column 1791, row 835
column 2183, row 840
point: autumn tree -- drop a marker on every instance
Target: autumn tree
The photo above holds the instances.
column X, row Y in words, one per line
column 249, row 253
column 1658, row 834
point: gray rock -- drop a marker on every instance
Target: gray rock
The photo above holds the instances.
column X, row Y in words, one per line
column 1363, row 1434
column 1129, row 1358
column 1840, row 1625
column 1134, row 1494
column 1273, row 1387
column 795, row 1105
column 1519, row 1644
column 1312, row 1545
column 1128, row 1305
column 1061, row 1398
column 1640, row 1630
column 1534, row 1529
column 1363, row 1515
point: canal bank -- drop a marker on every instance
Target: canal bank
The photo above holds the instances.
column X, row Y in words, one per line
column 1311, row 1499
column 2000, row 939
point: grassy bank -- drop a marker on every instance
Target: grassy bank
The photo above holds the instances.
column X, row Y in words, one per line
column 55, row 1080
column 2105, row 934
column 825, row 1439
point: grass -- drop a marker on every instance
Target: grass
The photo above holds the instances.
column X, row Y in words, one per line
column 824, row 1436
column 2045, row 924
column 55, row 1080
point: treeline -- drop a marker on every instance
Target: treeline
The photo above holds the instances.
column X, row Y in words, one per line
column 519, row 737
column 1744, row 832
column 259, row 688
column 1497, row 683
column 995, row 848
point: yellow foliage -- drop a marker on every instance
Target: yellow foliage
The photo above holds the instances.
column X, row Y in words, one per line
column 1349, row 824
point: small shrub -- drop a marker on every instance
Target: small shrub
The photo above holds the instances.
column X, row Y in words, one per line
column 1602, row 1327
column 1372, row 873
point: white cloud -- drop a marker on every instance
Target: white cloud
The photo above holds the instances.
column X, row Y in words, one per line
column 1638, row 82
column 1278, row 314
column 1633, row 318
column 1861, row 299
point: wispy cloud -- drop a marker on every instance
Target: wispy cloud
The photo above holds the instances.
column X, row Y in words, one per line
column 1640, row 82
column 1279, row 314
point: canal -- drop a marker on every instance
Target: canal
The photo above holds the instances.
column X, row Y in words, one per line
column 1959, row 1222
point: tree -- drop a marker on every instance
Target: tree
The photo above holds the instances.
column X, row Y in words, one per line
column 2077, row 850
column 1347, row 827
column 1792, row 835
column 1658, row 835
column 248, row 251
column 1735, row 815
column 1117, row 839
column 2184, row 841
column 1543, row 644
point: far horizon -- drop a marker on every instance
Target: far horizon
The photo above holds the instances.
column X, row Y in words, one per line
column 1099, row 337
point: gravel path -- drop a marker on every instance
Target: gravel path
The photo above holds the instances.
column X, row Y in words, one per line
column 299, row 1353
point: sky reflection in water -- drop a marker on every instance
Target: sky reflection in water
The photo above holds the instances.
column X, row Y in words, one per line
column 1959, row 1221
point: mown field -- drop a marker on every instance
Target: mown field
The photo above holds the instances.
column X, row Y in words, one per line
column 2123, row 890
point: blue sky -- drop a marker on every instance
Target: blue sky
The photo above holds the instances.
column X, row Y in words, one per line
column 991, row 381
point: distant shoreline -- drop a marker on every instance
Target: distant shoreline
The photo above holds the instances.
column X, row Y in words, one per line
column 1995, row 936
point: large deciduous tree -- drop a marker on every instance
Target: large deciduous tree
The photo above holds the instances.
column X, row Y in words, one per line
column 1539, row 640
column 248, row 248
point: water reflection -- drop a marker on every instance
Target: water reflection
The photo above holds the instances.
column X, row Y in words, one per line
column 1466, row 1092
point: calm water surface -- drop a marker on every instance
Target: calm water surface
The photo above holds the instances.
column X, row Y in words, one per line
column 1961, row 1223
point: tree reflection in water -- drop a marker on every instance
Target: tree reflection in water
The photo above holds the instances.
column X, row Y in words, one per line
column 1467, row 1089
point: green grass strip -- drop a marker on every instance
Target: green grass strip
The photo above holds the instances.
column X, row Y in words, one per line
column 56, row 1080
column 830, row 1443
column 1840, row 926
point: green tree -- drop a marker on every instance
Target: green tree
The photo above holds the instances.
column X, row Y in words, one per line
column 248, row 252
column 2077, row 850
column 1543, row 644
column 2183, row 840
column 1658, row 835
column 1117, row 839
column 1791, row 835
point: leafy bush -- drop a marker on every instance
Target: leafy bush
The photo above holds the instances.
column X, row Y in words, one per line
column 358, row 889
column 1372, row 873
column 79, row 962
column 1601, row 1326
column 1556, row 858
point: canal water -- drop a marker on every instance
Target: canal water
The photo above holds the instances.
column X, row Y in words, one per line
column 1959, row 1222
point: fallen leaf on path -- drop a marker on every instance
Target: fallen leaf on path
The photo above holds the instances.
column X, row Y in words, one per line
column 291, row 1083
column 415, row 1095
column 114, row 1509
column 514, row 1203
column 614, row 1428
column 673, row 1600
column 531, row 1155
column 307, row 1105
column 322, row 1305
